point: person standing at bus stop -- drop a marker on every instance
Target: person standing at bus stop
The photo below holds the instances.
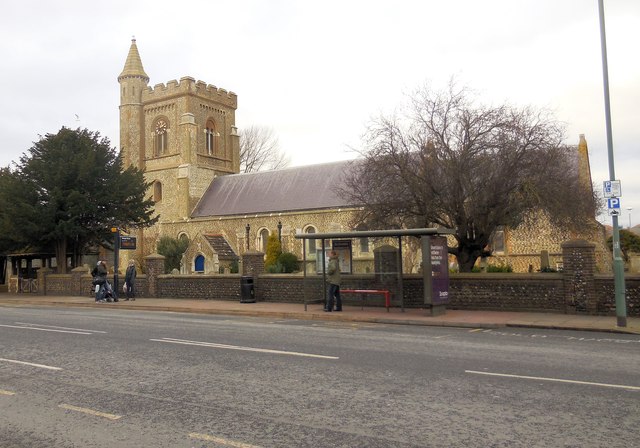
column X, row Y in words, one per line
column 333, row 276
column 130, row 280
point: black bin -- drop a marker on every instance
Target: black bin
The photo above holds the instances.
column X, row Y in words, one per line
column 247, row 293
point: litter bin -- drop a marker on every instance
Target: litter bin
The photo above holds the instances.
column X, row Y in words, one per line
column 247, row 293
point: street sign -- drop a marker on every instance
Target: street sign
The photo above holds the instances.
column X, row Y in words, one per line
column 612, row 189
column 613, row 203
column 128, row 242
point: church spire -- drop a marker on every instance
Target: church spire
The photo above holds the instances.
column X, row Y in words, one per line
column 133, row 65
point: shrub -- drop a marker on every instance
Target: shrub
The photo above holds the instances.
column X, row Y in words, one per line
column 273, row 251
column 288, row 262
column 499, row 268
column 172, row 249
column 629, row 242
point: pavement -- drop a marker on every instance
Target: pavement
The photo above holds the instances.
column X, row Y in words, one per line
column 452, row 318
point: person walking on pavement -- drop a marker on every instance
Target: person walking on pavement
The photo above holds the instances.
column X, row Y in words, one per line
column 99, row 274
column 333, row 276
column 130, row 280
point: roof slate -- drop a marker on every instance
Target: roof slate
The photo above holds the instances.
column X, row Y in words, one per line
column 309, row 187
column 221, row 246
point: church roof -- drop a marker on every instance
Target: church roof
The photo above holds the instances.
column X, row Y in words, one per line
column 221, row 246
column 133, row 64
column 310, row 187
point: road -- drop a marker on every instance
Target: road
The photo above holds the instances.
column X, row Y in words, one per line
column 121, row 378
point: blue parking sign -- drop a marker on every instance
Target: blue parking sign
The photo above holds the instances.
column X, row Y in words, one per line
column 613, row 203
column 612, row 189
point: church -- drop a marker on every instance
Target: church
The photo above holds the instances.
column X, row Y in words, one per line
column 183, row 135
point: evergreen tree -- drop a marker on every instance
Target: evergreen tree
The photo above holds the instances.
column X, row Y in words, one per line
column 172, row 249
column 273, row 251
column 629, row 242
column 67, row 192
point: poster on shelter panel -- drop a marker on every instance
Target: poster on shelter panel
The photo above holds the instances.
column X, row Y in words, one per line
column 343, row 249
column 439, row 271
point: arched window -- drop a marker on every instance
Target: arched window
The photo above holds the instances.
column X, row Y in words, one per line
column 198, row 265
column 211, row 138
column 311, row 244
column 161, row 137
column 157, row 191
column 497, row 242
column 264, row 238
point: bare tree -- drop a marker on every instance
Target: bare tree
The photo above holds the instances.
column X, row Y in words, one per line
column 259, row 150
column 450, row 162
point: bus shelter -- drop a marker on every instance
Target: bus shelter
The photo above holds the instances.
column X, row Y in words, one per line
column 435, row 268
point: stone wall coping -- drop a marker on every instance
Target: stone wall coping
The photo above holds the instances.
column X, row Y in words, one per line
column 507, row 276
column 154, row 256
column 465, row 275
column 192, row 276
column 634, row 277
column 288, row 275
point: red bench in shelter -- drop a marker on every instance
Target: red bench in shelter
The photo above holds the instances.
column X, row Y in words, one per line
column 384, row 292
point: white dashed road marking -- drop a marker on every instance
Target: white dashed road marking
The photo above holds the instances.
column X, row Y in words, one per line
column 557, row 380
column 238, row 347
column 89, row 411
column 59, row 328
column 221, row 441
column 559, row 336
column 44, row 329
column 42, row 366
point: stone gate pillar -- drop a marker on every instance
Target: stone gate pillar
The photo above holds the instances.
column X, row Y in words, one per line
column 252, row 263
column 579, row 264
column 42, row 280
column 154, row 265
column 78, row 287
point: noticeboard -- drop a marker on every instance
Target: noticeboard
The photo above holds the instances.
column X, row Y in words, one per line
column 127, row 242
column 345, row 256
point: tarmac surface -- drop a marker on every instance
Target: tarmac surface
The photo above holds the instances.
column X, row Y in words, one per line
column 452, row 318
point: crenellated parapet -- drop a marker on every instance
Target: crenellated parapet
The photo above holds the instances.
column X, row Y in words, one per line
column 189, row 86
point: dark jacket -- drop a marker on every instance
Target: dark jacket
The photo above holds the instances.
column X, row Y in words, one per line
column 333, row 273
column 130, row 275
column 100, row 274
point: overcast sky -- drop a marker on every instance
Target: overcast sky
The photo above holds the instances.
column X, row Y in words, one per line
column 317, row 72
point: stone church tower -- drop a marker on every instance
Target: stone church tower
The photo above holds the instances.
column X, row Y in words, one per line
column 182, row 135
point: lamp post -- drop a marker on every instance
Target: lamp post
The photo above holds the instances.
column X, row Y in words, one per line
column 629, row 209
column 618, row 264
column 116, row 259
column 247, row 229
